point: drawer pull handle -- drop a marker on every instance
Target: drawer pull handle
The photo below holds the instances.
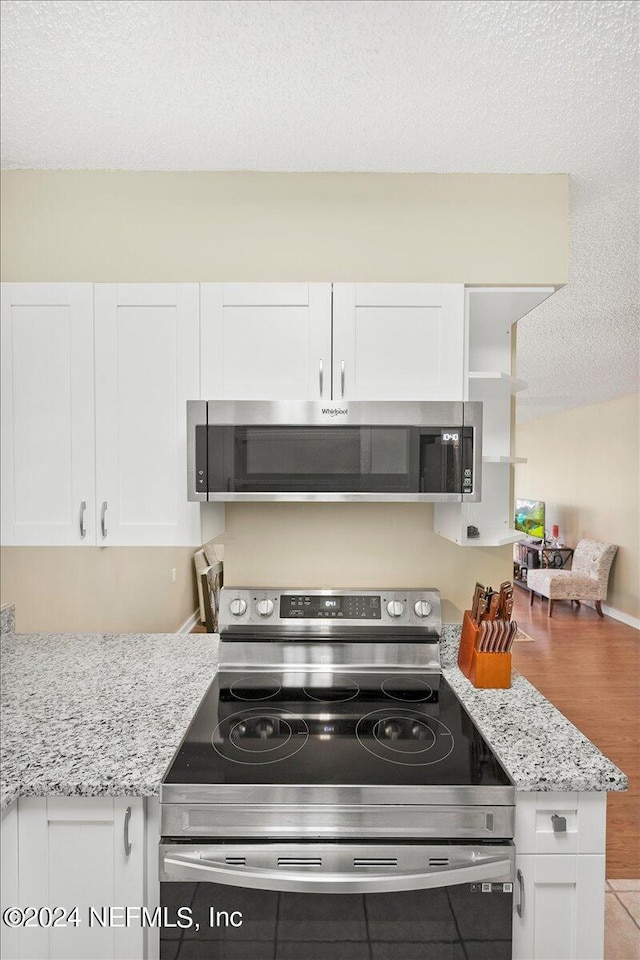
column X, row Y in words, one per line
column 520, row 904
column 127, row 842
column 558, row 823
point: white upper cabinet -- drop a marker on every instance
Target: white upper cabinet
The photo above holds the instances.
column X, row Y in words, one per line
column 398, row 341
column 147, row 350
column 47, row 414
column 266, row 341
column 94, row 433
column 273, row 341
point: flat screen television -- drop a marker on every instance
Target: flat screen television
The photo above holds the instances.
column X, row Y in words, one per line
column 530, row 518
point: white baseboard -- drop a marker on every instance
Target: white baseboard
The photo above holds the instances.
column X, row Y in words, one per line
column 189, row 624
column 622, row 617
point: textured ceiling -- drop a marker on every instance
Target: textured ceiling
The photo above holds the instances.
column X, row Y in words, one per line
column 386, row 85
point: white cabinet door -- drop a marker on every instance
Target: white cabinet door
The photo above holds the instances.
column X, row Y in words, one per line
column 398, row 341
column 47, row 414
column 147, row 347
column 9, row 936
column 562, row 900
column 266, row 341
column 72, row 854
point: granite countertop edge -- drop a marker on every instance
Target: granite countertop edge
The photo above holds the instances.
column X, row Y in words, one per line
column 75, row 737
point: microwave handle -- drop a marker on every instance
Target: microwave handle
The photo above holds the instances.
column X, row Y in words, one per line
column 193, row 867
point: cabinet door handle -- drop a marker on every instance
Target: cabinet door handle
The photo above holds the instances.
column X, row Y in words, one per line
column 558, row 823
column 520, row 904
column 83, row 528
column 103, row 520
column 127, row 842
column 342, row 378
column 321, row 377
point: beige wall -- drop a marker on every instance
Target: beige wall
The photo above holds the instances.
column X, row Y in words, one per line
column 123, row 226
column 98, row 589
column 584, row 464
column 364, row 545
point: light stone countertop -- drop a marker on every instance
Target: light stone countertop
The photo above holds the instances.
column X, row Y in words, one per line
column 96, row 714
column 102, row 714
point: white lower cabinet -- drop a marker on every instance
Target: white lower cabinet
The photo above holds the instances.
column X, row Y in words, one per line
column 76, row 852
column 563, row 915
column 560, row 876
column 9, row 936
column 101, row 853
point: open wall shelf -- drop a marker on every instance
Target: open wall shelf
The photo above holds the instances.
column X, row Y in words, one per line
column 490, row 313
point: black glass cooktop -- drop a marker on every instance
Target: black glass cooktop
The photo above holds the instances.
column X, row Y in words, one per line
column 311, row 728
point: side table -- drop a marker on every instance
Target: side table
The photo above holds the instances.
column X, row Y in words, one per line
column 533, row 556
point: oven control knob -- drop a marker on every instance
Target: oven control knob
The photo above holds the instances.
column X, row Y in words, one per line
column 237, row 607
column 264, row 607
column 395, row 608
column 422, row 608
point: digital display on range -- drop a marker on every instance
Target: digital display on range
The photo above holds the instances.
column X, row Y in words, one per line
column 302, row 606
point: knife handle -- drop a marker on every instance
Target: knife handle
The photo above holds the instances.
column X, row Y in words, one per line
column 493, row 606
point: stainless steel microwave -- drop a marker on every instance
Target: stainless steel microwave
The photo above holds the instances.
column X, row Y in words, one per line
column 385, row 451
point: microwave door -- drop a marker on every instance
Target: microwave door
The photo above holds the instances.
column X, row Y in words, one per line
column 441, row 460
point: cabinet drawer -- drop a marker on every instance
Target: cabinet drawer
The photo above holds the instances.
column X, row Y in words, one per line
column 551, row 823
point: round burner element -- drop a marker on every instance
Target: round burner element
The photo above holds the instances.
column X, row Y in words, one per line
column 255, row 686
column 259, row 736
column 407, row 689
column 331, row 688
column 404, row 736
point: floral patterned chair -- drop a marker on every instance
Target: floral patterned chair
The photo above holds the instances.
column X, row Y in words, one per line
column 588, row 578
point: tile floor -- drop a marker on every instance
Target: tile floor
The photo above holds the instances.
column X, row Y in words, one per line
column 622, row 920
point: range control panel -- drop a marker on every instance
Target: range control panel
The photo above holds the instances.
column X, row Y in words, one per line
column 348, row 607
column 330, row 609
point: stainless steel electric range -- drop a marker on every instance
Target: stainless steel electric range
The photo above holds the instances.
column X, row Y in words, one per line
column 332, row 798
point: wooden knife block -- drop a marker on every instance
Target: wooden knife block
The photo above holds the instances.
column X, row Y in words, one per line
column 484, row 670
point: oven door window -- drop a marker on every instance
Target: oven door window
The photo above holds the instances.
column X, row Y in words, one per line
column 337, row 459
column 456, row 922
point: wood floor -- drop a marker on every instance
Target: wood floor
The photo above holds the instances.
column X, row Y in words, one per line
column 589, row 668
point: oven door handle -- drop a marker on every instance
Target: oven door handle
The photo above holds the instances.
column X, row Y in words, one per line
column 184, row 867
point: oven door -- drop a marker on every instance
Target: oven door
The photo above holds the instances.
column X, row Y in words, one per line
column 330, row 901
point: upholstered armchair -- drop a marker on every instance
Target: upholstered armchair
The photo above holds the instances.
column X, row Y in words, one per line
column 588, row 578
